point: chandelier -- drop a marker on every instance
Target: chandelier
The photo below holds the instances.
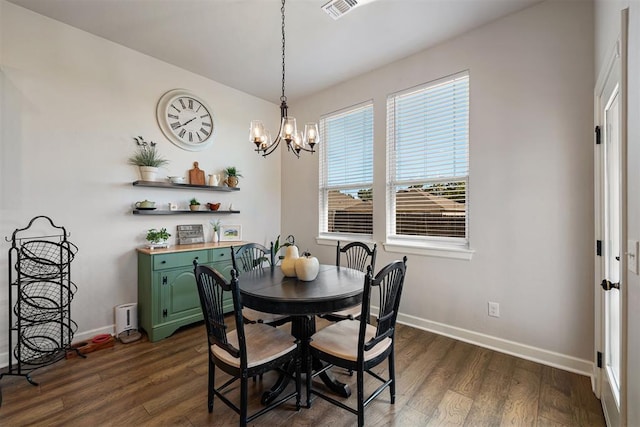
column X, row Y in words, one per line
column 296, row 141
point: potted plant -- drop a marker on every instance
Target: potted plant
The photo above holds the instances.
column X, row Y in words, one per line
column 147, row 159
column 216, row 230
column 156, row 237
column 289, row 241
column 232, row 176
column 194, row 204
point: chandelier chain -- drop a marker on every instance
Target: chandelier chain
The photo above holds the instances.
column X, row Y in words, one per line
column 295, row 141
column 283, row 97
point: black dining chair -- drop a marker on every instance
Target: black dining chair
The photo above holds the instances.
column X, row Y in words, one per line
column 250, row 257
column 360, row 346
column 244, row 351
column 359, row 256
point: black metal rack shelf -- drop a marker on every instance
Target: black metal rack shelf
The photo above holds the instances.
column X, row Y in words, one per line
column 159, row 184
column 40, row 295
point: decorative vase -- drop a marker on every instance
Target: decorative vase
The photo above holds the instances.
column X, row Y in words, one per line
column 232, row 181
column 216, row 237
column 214, row 180
column 148, row 173
column 288, row 265
column 194, row 207
column 307, row 268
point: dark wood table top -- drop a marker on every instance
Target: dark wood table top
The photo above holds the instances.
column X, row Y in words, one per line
column 268, row 290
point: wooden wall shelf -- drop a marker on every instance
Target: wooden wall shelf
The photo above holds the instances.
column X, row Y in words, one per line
column 189, row 212
column 160, row 184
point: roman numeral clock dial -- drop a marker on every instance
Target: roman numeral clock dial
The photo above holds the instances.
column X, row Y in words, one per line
column 186, row 120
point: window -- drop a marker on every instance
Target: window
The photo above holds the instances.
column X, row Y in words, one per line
column 428, row 163
column 346, row 171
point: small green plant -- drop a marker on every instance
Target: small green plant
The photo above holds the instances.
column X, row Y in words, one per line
column 194, row 202
column 232, row 171
column 290, row 240
column 215, row 225
column 147, row 154
column 155, row 236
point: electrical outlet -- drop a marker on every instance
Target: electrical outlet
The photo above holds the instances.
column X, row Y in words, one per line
column 494, row 309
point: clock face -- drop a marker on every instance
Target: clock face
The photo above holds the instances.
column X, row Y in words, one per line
column 186, row 120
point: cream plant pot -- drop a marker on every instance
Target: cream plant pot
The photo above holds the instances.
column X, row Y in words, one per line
column 288, row 265
column 148, row 173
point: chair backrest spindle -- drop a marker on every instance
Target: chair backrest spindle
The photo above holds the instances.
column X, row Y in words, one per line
column 389, row 282
column 211, row 287
column 357, row 255
column 252, row 256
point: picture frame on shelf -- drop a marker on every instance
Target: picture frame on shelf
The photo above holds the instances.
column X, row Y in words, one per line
column 230, row 233
column 188, row 234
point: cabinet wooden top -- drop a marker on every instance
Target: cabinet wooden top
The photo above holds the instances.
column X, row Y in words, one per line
column 186, row 248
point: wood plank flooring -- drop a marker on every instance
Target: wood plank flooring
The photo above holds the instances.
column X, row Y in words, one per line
column 440, row 381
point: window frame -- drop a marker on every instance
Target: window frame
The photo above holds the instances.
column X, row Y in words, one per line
column 325, row 236
column 449, row 247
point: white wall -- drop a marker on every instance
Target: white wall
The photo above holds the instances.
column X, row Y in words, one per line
column 71, row 105
column 607, row 15
column 531, row 185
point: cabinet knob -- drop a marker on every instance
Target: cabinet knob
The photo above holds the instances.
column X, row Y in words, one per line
column 196, row 258
column 163, row 262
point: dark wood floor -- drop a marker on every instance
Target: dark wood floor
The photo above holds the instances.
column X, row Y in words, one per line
column 441, row 381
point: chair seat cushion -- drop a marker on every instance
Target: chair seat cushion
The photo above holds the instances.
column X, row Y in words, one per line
column 260, row 316
column 264, row 343
column 341, row 340
column 354, row 312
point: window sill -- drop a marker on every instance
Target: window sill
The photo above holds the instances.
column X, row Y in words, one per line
column 404, row 247
column 435, row 251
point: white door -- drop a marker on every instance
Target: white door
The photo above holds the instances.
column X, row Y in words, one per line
column 611, row 199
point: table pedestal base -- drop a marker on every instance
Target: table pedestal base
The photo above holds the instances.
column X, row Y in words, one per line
column 303, row 327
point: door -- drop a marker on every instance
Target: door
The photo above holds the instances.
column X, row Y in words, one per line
column 611, row 198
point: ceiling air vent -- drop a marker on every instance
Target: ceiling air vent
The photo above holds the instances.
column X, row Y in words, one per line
column 338, row 8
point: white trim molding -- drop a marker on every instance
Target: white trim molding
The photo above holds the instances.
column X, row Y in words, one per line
column 545, row 357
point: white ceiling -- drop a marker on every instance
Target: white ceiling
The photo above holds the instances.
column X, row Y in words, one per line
column 238, row 42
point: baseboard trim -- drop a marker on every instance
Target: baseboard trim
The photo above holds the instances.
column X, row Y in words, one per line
column 545, row 357
column 78, row 337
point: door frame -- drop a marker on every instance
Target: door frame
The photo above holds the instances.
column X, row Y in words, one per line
column 617, row 62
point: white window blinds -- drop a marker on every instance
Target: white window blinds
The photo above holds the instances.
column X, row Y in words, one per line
column 428, row 160
column 346, row 171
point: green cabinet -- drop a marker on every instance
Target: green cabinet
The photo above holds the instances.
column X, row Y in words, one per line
column 167, row 293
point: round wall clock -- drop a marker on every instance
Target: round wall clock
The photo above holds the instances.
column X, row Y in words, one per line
column 186, row 120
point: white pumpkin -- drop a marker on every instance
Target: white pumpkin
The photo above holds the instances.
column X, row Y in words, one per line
column 307, row 267
column 288, row 265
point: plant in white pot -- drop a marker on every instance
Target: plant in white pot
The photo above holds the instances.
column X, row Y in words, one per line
column 194, row 204
column 148, row 159
column 215, row 238
column 156, row 237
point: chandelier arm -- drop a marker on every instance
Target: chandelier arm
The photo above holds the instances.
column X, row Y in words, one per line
column 291, row 149
column 308, row 150
column 271, row 148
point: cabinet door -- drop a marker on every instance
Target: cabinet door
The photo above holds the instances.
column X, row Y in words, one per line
column 179, row 295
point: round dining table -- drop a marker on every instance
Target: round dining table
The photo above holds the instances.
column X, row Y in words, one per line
column 334, row 289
